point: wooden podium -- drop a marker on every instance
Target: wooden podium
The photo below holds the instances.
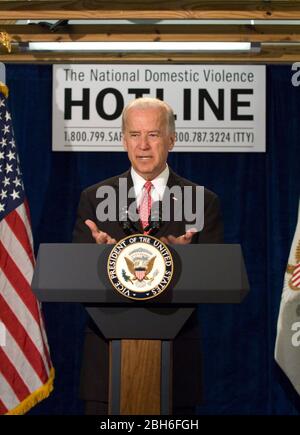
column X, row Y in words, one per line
column 140, row 334
column 140, row 376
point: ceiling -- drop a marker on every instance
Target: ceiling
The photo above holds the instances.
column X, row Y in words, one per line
column 274, row 24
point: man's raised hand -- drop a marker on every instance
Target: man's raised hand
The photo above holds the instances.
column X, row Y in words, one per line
column 99, row 236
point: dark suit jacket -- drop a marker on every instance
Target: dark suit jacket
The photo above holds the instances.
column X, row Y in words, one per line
column 186, row 346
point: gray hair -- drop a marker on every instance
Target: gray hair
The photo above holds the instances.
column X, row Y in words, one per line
column 146, row 103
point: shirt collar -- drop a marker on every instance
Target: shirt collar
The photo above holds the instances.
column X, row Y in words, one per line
column 159, row 183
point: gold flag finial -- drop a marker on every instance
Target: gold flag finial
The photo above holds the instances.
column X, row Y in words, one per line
column 5, row 41
column 4, row 89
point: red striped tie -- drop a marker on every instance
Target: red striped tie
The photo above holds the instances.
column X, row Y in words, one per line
column 145, row 205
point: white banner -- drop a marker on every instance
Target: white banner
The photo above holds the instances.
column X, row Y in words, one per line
column 219, row 108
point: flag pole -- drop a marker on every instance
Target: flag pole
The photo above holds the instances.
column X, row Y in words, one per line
column 5, row 41
column 2, row 73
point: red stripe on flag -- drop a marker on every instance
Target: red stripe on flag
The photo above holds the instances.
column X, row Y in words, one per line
column 3, row 409
column 296, row 277
column 18, row 282
column 24, row 341
column 12, row 377
column 296, row 273
column 46, row 351
column 19, row 229
column 23, row 289
column 27, row 210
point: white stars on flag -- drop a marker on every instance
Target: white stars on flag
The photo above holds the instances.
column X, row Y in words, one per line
column 8, row 168
column 6, row 181
column 11, row 185
column 15, row 194
column 3, row 142
column 3, row 194
column 7, row 116
column 5, row 129
column 17, row 182
column 10, row 155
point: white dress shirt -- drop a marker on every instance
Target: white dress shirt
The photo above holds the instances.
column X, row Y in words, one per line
column 159, row 184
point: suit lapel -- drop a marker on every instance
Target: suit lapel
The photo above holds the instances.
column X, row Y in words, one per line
column 168, row 227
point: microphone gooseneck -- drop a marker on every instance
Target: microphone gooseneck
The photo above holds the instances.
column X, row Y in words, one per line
column 130, row 227
column 126, row 223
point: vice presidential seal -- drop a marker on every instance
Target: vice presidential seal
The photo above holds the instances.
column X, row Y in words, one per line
column 140, row 267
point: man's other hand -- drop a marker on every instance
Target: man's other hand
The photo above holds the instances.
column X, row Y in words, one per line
column 100, row 237
column 185, row 239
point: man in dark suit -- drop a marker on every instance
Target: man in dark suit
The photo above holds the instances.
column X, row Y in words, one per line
column 148, row 136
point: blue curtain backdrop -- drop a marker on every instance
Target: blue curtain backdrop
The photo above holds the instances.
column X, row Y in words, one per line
column 259, row 195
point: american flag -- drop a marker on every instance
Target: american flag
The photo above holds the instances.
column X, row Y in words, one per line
column 287, row 350
column 26, row 372
column 295, row 280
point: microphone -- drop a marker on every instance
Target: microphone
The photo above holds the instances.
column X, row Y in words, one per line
column 126, row 223
column 155, row 218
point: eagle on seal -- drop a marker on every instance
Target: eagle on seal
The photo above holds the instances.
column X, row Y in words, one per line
column 140, row 270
